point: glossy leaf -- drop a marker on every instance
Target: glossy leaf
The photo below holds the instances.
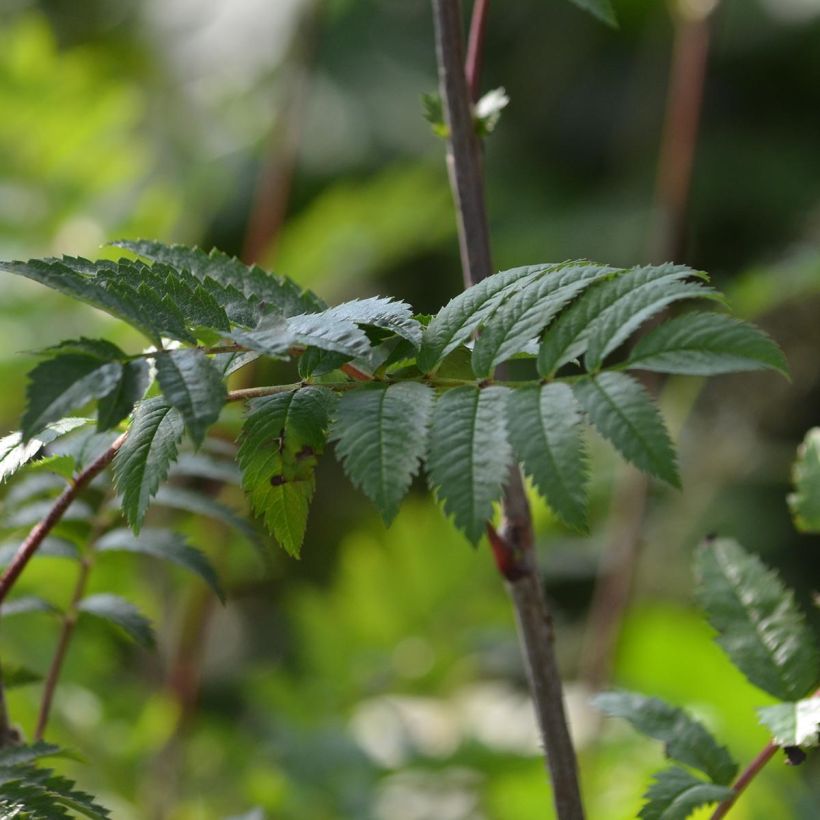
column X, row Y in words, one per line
column 794, row 724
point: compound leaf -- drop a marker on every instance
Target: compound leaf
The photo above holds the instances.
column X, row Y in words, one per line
column 469, row 454
column 706, row 344
column 193, row 385
column 676, row 793
column 545, row 432
column 758, row 623
column 143, row 461
column 685, row 739
column 623, row 413
column 281, row 441
column 118, row 611
column 804, row 502
column 381, row 435
column 164, row 544
column 794, row 724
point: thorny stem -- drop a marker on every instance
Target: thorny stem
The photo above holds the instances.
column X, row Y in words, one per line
column 513, row 546
column 745, row 778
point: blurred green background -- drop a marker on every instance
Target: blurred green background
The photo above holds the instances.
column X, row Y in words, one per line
column 379, row 676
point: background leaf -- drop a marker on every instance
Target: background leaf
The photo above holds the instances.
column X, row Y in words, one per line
column 116, row 610
column 676, row 793
column 804, row 502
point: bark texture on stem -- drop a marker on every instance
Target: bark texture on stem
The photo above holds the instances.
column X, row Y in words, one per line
column 513, row 545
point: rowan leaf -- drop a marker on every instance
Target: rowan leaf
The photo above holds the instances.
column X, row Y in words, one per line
column 456, row 322
column 193, row 385
column 115, row 610
column 545, row 431
column 388, row 314
column 528, row 311
column 143, row 461
column 794, row 724
column 329, row 330
column 166, row 545
column 113, row 407
column 758, row 623
column 623, row 413
column 676, row 793
column 685, row 739
column 14, row 452
column 569, row 335
column 804, row 502
column 706, row 344
column 381, row 437
column 281, row 441
column 469, row 454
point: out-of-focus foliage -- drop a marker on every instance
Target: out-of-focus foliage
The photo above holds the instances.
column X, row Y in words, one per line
column 378, row 677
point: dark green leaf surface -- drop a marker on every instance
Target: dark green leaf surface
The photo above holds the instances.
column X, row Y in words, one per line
column 193, row 385
column 623, row 413
column 685, row 739
column 381, row 435
column 804, row 502
column 456, row 322
column 794, row 724
column 706, row 344
column 117, row 611
column 758, row 624
column 545, row 431
column 676, row 793
column 64, row 383
column 113, row 407
column 15, row 676
column 469, row 454
column 388, row 314
column 143, row 461
column 281, row 441
column 168, row 546
column 568, row 337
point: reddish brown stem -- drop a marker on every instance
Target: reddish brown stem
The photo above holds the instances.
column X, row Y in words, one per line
column 475, row 47
column 44, row 527
column 745, row 778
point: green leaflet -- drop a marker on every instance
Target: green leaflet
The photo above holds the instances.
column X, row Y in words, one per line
column 758, row 623
column 469, row 454
column 685, row 739
column 15, row 676
column 26, row 604
column 64, row 383
column 602, row 9
column 193, row 385
column 381, row 435
column 623, row 413
column 388, row 314
column 14, row 453
column 456, row 322
column 143, row 461
column 118, row 404
column 676, row 793
column 545, row 431
column 569, row 336
column 794, row 724
column 281, row 441
column 706, row 344
column 527, row 312
column 168, row 546
column 804, row 502
column 121, row 613
column 277, row 294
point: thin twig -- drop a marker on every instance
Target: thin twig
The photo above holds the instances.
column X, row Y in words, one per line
column 475, row 47
column 40, row 530
column 513, row 546
column 745, row 778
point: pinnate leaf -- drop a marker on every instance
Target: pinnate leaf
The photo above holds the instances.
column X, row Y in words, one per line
column 805, row 500
column 168, row 546
column 381, row 435
column 121, row 613
column 685, row 739
column 676, row 793
column 706, row 344
column 623, row 413
column 758, row 624
column 545, row 432
column 469, row 454
column 143, row 461
column 794, row 724
column 193, row 385
column 281, row 441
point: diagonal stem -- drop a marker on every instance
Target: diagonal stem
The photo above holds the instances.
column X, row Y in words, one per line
column 745, row 778
column 513, row 545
